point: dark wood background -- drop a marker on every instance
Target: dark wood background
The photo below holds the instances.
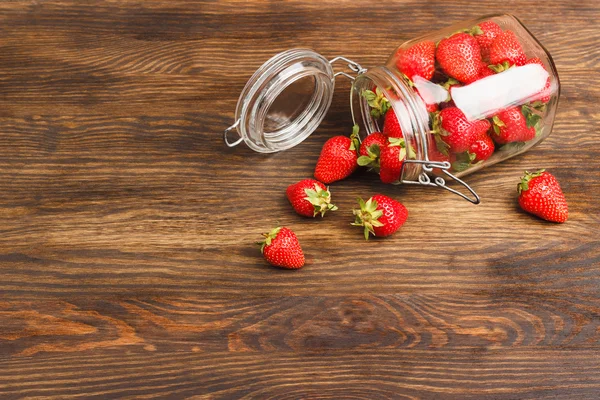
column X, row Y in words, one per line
column 127, row 263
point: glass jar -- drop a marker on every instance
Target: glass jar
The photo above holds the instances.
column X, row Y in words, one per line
column 467, row 96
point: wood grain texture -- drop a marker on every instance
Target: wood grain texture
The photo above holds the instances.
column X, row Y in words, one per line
column 127, row 263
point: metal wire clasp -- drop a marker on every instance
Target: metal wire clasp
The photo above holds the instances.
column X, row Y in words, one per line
column 439, row 181
column 232, row 127
column 353, row 65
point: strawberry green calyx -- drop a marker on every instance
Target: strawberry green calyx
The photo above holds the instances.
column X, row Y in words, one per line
column 532, row 115
column 404, row 149
column 524, row 184
column 442, row 146
column 436, row 127
column 355, row 144
column 372, row 159
column 450, row 82
column 464, row 161
column 500, row 67
column 367, row 216
column 475, row 31
column 320, row 199
column 269, row 237
column 497, row 124
column 409, row 81
column 377, row 101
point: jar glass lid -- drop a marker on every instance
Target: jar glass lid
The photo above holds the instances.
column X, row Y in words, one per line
column 283, row 102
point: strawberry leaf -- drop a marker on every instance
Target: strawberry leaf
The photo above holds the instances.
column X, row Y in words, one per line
column 364, row 161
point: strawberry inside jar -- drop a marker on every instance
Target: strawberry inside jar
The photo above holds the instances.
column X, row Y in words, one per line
column 462, row 98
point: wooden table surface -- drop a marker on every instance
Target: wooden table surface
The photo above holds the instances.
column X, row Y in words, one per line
column 127, row 258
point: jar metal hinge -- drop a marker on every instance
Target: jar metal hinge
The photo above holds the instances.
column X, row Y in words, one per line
column 438, row 181
column 353, row 65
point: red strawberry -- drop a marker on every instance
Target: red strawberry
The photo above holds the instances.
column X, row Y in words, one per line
column 374, row 139
column 485, row 33
column 456, row 131
column 309, row 198
column 544, row 95
column 391, row 125
column 338, row 158
column 506, row 48
column 281, row 249
column 460, row 57
column 370, row 150
column 380, row 216
column 482, row 148
column 484, row 71
column 419, row 59
column 391, row 160
column 510, row 126
column 541, row 195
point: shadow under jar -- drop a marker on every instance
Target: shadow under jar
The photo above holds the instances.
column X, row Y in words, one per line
column 461, row 98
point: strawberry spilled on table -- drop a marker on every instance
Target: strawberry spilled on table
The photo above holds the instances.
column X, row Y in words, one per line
column 380, row 216
column 310, row 197
column 541, row 195
column 281, row 249
column 338, row 159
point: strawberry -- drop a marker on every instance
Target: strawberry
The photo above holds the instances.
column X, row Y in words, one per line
column 391, row 125
column 506, row 48
column 370, row 149
column 456, row 131
column 377, row 101
column 282, row 249
column 418, row 59
column 544, row 95
column 392, row 159
column 380, row 215
column 482, row 148
column 485, row 33
column 460, row 57
column 309, row 198
column 510, row 125
column 541, row 195
column 338, row 158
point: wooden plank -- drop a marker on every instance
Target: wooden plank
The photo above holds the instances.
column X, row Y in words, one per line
column 127, row 262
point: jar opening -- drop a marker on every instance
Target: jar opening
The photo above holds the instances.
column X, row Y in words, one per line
column 287, row 107
column 409, row 109
column 285, row 100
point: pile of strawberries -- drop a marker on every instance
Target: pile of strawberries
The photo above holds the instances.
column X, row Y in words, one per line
column 460, row 59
